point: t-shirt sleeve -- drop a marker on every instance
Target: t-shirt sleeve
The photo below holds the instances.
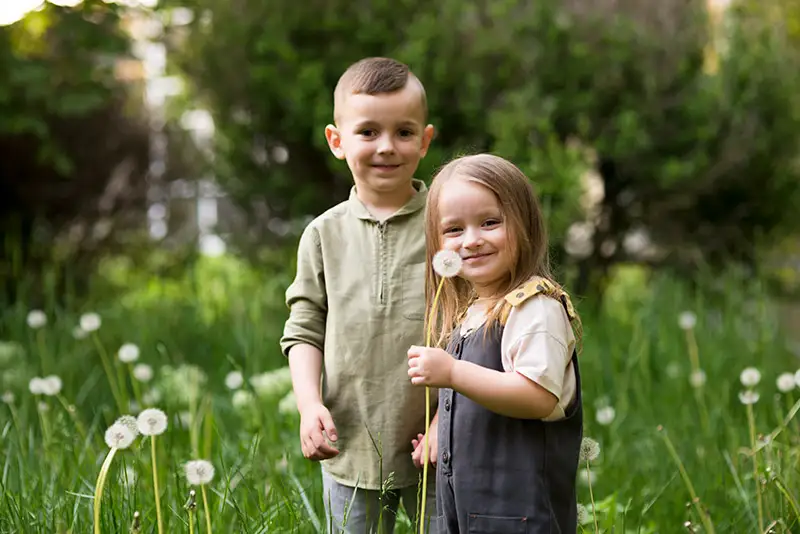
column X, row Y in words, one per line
column 538, row 342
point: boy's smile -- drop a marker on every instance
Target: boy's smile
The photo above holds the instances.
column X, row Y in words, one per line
column 382, row 137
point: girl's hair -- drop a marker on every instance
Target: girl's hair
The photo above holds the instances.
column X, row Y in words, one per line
column 526, row 241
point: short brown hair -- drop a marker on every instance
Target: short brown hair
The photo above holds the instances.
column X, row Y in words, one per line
column 373, row 76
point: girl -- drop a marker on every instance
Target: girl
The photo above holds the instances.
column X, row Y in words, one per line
column 510, row 413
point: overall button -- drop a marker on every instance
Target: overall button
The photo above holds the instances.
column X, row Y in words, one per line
column 447, row 405
column 445, row 457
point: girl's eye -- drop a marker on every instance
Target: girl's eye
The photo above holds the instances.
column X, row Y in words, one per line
column 452, row 230
column 491, row 222
column 406, row 133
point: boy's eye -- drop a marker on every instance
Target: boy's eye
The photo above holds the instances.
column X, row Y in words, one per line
column 406, row 133
column 367, row 133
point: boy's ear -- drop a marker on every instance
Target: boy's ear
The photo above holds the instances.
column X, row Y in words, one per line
column 334, row 140
column 427, row 137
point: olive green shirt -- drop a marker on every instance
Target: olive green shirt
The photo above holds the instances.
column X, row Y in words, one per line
column 359, row 296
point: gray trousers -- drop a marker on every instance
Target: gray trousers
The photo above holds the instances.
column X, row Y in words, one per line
column 361, row 514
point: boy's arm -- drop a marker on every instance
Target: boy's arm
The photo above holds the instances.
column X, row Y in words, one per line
column 303, row 341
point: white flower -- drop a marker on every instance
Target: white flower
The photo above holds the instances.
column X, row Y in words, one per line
column 785, row 382
column 748, row 397
column 447, row 263
column 151, row 397
column 750, row 377
column 605, row 415
column 119, row 436
column 590, row 450
column 51, row 385
column 234, row 380
column 90, row 322
column 143, row 372
column 242, row 398
column 687, row 320
column 128, row 421
column 152, row 422
column 8, row 397
column 36, row 319
column 128, row 353
column 37, row 386
column 698, row 378
column 199, row 472
column 79, row 333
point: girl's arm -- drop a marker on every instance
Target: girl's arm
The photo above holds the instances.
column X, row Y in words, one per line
column 509, row 394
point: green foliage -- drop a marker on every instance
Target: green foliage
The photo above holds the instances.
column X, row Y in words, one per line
column 225, row 316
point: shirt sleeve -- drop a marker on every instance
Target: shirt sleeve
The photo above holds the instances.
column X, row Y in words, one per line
column 538, row 343
column 306, row 296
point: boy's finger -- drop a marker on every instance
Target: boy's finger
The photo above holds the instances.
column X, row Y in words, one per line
column 328, row 426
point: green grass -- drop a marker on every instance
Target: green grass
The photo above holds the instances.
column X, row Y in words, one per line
column 666, row 436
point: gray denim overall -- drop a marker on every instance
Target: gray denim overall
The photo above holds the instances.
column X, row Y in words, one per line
column 499, row 474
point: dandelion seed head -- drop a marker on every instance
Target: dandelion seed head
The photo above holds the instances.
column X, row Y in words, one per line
column 447, row 263
column 697, row 379
column 288, row 404
column 748, row 397
column 51, row 385
column 90, row 322
column 582, row 514
column 10, row 351
column 234, row 380
column 687, row 320
column 42, row 406
column 605, row 415
column 587, row 477
column 797, row 378
column 128, row 353
column 242, row 398
column 151, row 397
column 79, row 333
column 273, row 383
column 199, row 472
column 37, row 386
column 128, row 421
column 185, row 419
column 143, row 372
column 673, row 369
column 36, row 319
column 750, row 377
column 590, row 450
column 128, row 476
column 152, row 422
column 8, row 397
column 119, row 436
column 785, row 382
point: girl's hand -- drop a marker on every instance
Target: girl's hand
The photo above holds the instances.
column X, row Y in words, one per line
column 430, row 367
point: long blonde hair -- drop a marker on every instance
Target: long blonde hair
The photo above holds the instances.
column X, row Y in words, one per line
column 527, row 241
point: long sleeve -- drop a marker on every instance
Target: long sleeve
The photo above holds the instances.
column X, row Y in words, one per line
column 306, row 297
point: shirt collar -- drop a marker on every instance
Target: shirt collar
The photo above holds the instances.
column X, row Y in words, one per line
column 415, row 203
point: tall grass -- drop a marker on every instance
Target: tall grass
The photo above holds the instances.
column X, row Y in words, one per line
column 670, row 452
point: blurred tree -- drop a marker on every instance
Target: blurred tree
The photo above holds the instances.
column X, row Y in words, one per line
column 73, row 145
column 696, row 165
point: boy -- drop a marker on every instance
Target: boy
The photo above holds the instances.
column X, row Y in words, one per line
column 358, row 302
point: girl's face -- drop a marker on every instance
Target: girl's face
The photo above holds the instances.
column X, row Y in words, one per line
column 471, row 223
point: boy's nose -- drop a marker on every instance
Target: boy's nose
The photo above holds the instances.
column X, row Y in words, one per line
column 385, row 145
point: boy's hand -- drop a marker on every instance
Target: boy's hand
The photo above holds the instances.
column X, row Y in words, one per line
column 430, row 367
column 419, row 446
column 315, row 424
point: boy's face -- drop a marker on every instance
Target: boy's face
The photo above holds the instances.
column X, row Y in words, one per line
column 382, row 137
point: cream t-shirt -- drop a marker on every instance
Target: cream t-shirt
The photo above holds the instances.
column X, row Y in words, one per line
column 537, row 343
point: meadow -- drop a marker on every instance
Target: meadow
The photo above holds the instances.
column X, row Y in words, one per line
column 690, row 398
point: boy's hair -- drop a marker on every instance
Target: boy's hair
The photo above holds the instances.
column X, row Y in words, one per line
column 525, row 228
column 373, row 76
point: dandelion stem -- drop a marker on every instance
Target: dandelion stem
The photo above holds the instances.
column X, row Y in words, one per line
column 137, row 392
column 112, row 382
column 155, row 484
column 427, row 421
column 694, row 358
column 591, row 497
column 98, row 489
column 707, row 524
column 205, row 507
column 44, row 357
column 752, row 424
column 74, row 416
column 191, row 522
